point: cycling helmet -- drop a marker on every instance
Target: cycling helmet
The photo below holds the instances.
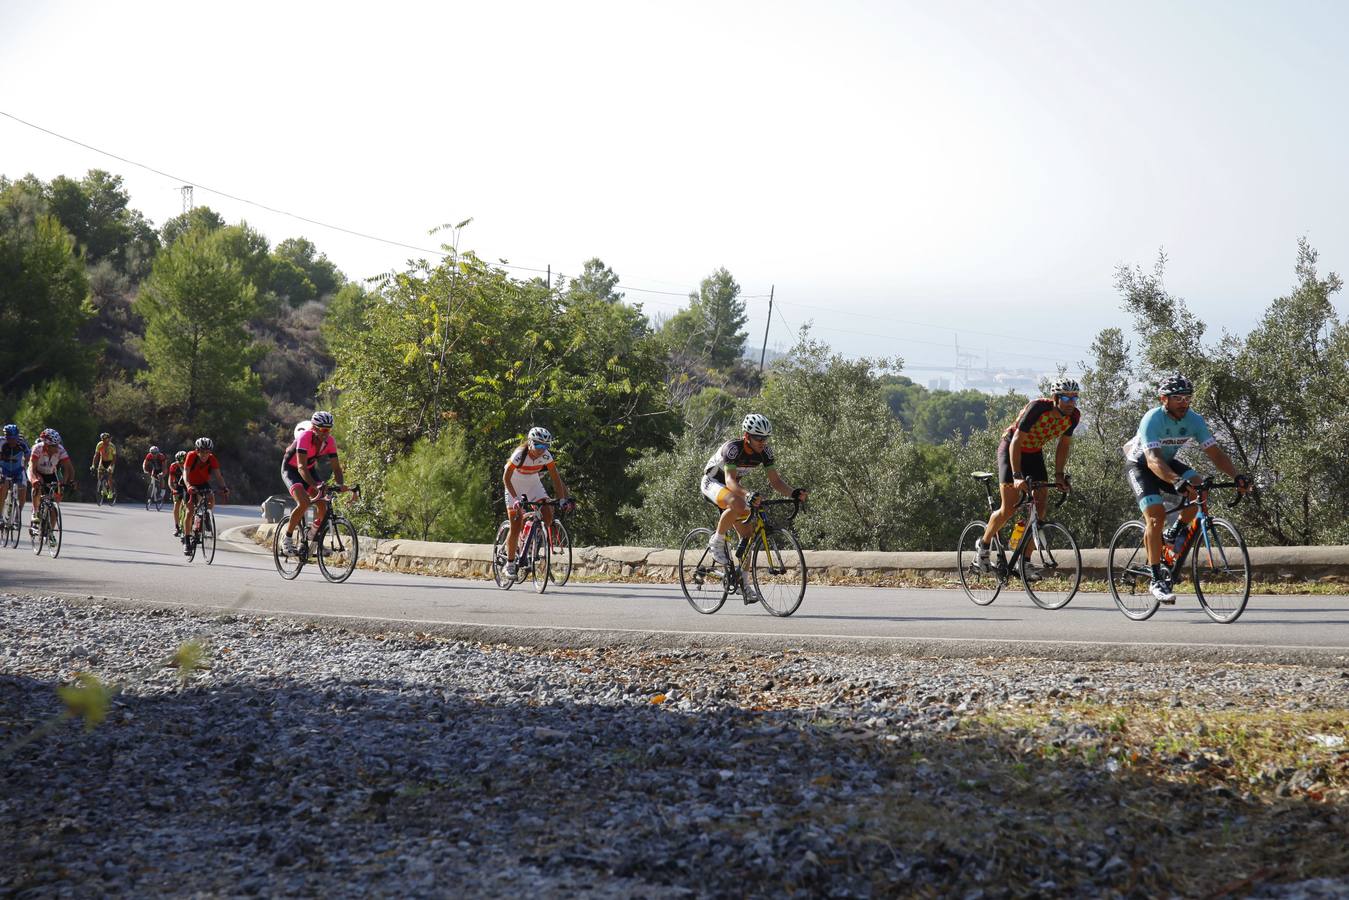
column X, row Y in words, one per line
column 204, row 443
column 104, row 436
column 154, row 450
column 1175, row 384
column 180, row 455
column 322, row 419
column 540, row 435
column 51, row 436
column 302, row 427
column 757, row 425
column 1063, row 386
column 11, row 431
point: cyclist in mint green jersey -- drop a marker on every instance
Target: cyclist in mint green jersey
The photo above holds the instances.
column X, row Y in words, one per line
column 1154, row 470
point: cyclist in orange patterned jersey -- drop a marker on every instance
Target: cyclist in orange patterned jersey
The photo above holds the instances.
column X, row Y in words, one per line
column 523, row 478
column 1021, row 453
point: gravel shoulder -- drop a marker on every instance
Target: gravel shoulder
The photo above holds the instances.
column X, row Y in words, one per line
column 244, row 755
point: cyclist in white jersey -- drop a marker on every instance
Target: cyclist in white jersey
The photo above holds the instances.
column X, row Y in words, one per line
column 1153, row 470
column 523, row 477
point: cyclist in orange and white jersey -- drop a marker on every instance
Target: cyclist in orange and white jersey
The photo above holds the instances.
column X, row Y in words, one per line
column 523, row 476
column 48, row 455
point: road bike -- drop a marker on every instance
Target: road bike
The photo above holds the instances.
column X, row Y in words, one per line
column 1220, row 566
column 536, row 551
column 11, row 517
column 1045, row 557
column 771, row 558
column 199, row 527
column 106, row 490
column 332, row 541
column 46, row 531
column 559, row 547
column 155, row 492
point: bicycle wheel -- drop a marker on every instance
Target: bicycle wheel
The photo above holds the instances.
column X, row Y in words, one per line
column 339, row 549
column 1222, row 571
column 149, row 495
column 206, row 538
column 559, row 544
column 539, row 556
column 37, row 532
column 99, row 490
column 1128, row 573
column 701, row 577
column 288, row 565
column 1058, row 563
column 53, row 530
column 499, row 560
column 982, row 587
column 13, row 514
column 778, row 571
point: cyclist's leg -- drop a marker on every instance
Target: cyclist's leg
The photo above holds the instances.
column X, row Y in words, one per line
column 516, row 516
column 299, row 492
column 1008, row 495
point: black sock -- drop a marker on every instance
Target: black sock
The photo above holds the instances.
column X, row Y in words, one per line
column 740, row 547
column 1157, row 572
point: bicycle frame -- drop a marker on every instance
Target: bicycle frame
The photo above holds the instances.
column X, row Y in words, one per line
column 1199, row 528
column 1008, row 563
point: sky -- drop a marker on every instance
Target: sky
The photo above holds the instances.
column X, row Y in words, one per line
column 907, row 176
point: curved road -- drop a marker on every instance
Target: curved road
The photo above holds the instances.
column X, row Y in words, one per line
column 126, row 554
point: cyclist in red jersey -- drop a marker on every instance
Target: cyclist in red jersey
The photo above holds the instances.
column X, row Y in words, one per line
column 176, row 490
column 198, row 467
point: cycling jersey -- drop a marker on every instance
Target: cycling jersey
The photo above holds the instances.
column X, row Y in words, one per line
column 1158, row 431
column 1041, row 422
column 316, row 447
column 175, row 476
column 737, row 454
column 528, row 475
column 106, row 451
column 198, row 466
column 46, row 457
column 14, row 455
column 154, row 462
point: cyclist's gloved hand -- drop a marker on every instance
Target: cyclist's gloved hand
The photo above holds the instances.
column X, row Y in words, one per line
column 752, row 498
column 799, row 494
column 567, row 504
column 1244, row 483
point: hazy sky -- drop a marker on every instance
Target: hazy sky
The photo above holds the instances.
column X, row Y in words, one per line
column 906, row 174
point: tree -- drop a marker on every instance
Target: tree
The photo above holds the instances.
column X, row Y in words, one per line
column 61, row 404
column 318, row 270
column 711, row 331
column 596, row 281
column 201, row 218
column 940, row 414
column 96, row 211
column 195, row 305
column 440, row 492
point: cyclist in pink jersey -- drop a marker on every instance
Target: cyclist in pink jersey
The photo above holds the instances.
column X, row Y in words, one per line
column 298, row 471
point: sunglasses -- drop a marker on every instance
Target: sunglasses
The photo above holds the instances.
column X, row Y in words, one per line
column 541, row 446
column 1069, row 398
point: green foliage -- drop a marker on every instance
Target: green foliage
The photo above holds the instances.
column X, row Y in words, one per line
column 316, row 268
column 195, row 305
column 439, row 492
column 198, row 218
column 346, row 311
column 88, row 698
column 597, row 282
column 945, row 413
column 43, row 300
column 711, row 331
column 58, row 403
column 95, row 211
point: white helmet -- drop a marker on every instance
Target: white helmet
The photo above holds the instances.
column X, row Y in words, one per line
column 154, row 450
column 540, row 435
column 757, row 425
column 302, row 427
column 204, row 444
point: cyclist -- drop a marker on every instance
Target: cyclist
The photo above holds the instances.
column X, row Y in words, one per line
column 1021, row 455
column 1153, row 470
column 14, row 453
column 198, row 466
column 105, row 456
column 298, row 471
column 153, row 464
column 523, row 476
column 48, row 455
column 176, row 491
column 721, row 485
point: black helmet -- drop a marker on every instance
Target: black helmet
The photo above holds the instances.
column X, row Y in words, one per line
column 1064, row 386
column 1175, row 384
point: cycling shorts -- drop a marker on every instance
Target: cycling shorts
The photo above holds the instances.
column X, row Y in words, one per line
column 14, row 472
column 292, row 478
column 1032, row 464
column 715, row 491
column 531, row 488
column 1147, row 487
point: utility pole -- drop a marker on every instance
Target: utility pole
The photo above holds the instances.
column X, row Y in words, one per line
column 764, row 351
column 550, row 277
column 187, row 199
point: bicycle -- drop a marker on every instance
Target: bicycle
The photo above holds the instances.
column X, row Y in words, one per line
column 559, row 548
column 534, row 556
column 1220, row 567
column 46, row 531
column 105, row 488
column 1045, row 557
column 11, row 519
column 199, row 525
column 155, row 491
column 331, row 540
column 772, row 556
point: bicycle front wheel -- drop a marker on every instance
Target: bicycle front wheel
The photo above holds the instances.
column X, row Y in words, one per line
column 499, row 560
column 54, row 532
column 13, row 517
column 778, row 570
column 981, row 584
column 206, row 537
column 99, row 489
column 701, row 577
column 539, row 556
column 338, row 550
column 287, row 564
column 1128, row 573
column 559, row 545
column 1052, row 569
column 1222, row 571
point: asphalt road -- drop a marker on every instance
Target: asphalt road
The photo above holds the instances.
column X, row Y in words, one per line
column 125, row 554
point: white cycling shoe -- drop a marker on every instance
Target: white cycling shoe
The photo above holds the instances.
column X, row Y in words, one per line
column 1162, row 591
column 718, row 550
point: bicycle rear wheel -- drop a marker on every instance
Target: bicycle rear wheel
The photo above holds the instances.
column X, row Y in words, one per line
column 559, row 544
column 539, row 556
column 339, row 549
column 1058, row 563
column 1128, row 573
column 1222, row 571
column 778, row 572
column 982, row 587
column 13, row 517
column 287, row 564
column 701, row 577
column 499, row 560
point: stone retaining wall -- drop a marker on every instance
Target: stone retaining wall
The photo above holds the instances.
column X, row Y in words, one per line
column 1270, row 564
